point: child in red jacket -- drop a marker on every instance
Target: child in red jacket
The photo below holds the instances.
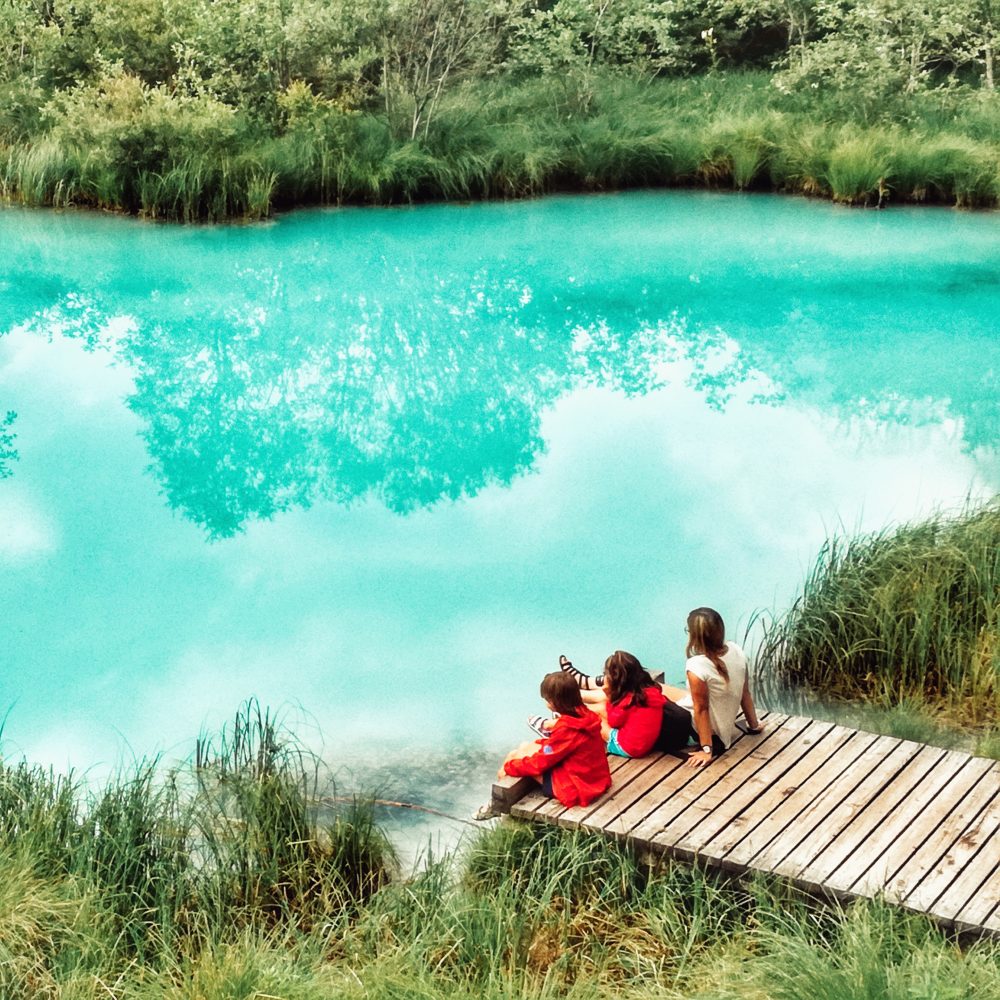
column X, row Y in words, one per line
column 628, row 700
column 570, row 763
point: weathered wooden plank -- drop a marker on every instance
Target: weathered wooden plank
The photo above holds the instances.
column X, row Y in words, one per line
column 633, row 784
column 970, row 885
column 699, row 799
column 923, row 861
column 625, row 771
column 779, row 807
column 679, row 776
column 670, row 776
column 893, row 843
column 986, row 901
column 813, row 853
column 676, row 777
column 527, row 807
column 870, row 751
column 700, row 781
column 737, row 793
column 507, row 790
column 963, row 856
column 886, row 817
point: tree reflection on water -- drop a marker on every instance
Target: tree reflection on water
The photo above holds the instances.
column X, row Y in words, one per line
column 256, row 406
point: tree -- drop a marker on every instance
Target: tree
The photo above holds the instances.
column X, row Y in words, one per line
column 7, row 451
column 427, row 44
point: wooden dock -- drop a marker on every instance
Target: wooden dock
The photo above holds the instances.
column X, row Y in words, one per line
column 836, row 811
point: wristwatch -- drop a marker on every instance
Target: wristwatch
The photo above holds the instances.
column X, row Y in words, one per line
column 706, row 749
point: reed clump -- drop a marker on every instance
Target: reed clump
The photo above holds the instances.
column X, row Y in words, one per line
column 162, row 864
column 909, row 614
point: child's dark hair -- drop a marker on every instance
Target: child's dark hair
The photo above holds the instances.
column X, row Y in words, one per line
column 562, row 692
column 626, row 675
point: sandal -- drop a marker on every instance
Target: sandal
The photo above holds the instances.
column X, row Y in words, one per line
column 586, row 682
column 537, row 724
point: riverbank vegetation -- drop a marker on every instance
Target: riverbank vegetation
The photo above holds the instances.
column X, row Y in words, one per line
column 906, row 619
column 208, row 109
column 230, row 879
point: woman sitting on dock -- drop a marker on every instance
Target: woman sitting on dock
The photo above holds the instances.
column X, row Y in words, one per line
column 569, row 761
column 718, row 687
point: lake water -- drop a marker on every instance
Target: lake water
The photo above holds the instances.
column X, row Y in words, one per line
column 379, row 468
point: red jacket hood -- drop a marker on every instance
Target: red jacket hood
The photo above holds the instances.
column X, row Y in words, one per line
column 586, row 721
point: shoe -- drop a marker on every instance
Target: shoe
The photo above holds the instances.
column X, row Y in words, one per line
column 536, row 723
column 586, row 682
column 484, row 812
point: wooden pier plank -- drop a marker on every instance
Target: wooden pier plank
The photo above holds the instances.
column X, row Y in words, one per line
column 760, row 794
column 704, row 782
column 663, row 801
column 885, row 819
column 630, row 779
column 929, row 856
column 751, row 832
column 812, row 823
column 971, row 884
column 986, row 901
column 641, row 780
column 963, row 856
column 526, row 808
column 953, row 779
column 688, row 833
column 814, row 860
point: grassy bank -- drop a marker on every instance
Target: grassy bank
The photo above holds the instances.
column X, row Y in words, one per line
column 906, row 619
column 127, row 147
column 223, row 881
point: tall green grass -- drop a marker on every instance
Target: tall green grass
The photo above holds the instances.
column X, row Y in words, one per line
column 508, row 138
column 168, row 861
column 906, row 614
column 520, row 912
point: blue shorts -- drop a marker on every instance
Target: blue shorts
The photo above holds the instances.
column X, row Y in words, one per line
column 613, row 746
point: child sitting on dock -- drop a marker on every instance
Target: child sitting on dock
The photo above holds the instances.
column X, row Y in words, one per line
column 628, row 700
column 570, row 761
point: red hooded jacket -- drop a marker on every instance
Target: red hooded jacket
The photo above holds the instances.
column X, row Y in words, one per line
column 575, row 754
column 638, row 725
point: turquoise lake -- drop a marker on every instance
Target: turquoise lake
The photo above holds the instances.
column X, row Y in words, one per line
column 380, row 467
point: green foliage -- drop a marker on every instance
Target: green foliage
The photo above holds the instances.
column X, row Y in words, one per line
column 8, row 453
column 166, row 862
column 857, row 167
column 907, row 614
column 98, row 900
column 222, row 108
column 880, row 953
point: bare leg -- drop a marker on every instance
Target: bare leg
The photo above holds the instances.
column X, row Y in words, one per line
column 524, row 750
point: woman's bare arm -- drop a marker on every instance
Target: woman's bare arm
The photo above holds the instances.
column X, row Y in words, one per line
column 749, row 710
column 702, row 721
